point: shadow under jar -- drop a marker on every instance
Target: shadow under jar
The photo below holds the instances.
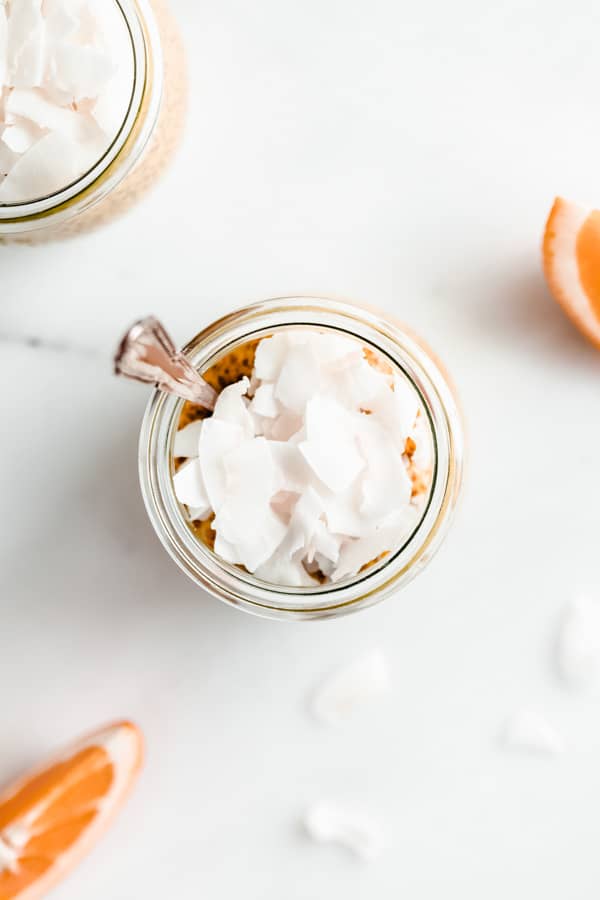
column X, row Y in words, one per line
column 384, row 576
column 148, row 133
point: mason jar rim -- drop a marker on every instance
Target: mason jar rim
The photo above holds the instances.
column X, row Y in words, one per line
column 125, row 149
column 237, row 587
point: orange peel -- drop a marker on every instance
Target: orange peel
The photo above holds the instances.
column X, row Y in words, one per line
column 571, row 258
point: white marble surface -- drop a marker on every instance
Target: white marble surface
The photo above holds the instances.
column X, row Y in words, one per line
column 405, row 154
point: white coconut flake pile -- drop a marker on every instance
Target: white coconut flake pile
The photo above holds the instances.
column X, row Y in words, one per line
column 317, row 465
column 66, row 77
column 329, row 823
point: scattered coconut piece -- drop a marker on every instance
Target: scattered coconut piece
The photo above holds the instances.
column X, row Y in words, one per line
column 529, row 731
column 328, row 823
column 578, row 646
column 351, row 687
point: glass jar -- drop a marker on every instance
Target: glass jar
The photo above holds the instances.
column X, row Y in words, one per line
column 236, row 586
column 144, row 144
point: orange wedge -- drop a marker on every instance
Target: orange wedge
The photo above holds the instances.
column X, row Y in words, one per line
column 571, row 252
column 51, row 817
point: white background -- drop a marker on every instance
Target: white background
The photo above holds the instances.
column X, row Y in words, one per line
column 405, row 154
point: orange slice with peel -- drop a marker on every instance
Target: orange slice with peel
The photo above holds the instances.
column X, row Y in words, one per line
column 571, row 252
column 52, row 816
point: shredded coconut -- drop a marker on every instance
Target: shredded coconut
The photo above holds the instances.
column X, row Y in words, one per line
column 304, row 466
column 357, row 832
column 528, row 730
column 351, row 687
column 66, row 77
column 578, row 648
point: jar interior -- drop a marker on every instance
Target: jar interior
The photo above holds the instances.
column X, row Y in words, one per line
column 235, row 360
column 69, row 123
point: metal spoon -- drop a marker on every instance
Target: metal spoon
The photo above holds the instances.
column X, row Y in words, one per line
column 147, row 353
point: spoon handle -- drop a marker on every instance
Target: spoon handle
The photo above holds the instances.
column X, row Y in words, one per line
column 148, row 354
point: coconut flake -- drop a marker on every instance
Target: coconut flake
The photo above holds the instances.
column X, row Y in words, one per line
column 324, row 547
column 331, row 449
column 190, row 489
column 3, row 46
column 225, row 550
column 383, row 539
column 578, row 646
column 528, row 730
column 386, row 485
column 334, row 352
column 80, row 71
column 351, row 687
column 25, row 44
column 270, row 356
column 264, row 402
column 250, row 475
column 7, row 158
column 245, row 518
column 199, row 513
column 61, row 21
column 282, row 569
column 397, row 409
column 32, row 105
column 327, row 823
column 306, row 515
column 258, row 546
column 342, row 512
column 187, row 440
column 294, row 474
column 19, row 136
column 217, row 438
column 45, row 167
column 283, row 428
column 298, row 379
column 231, row 407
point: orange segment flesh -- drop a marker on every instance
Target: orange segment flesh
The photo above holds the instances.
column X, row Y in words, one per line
column 571, row 256
column 50, row 818
column 588, row 259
